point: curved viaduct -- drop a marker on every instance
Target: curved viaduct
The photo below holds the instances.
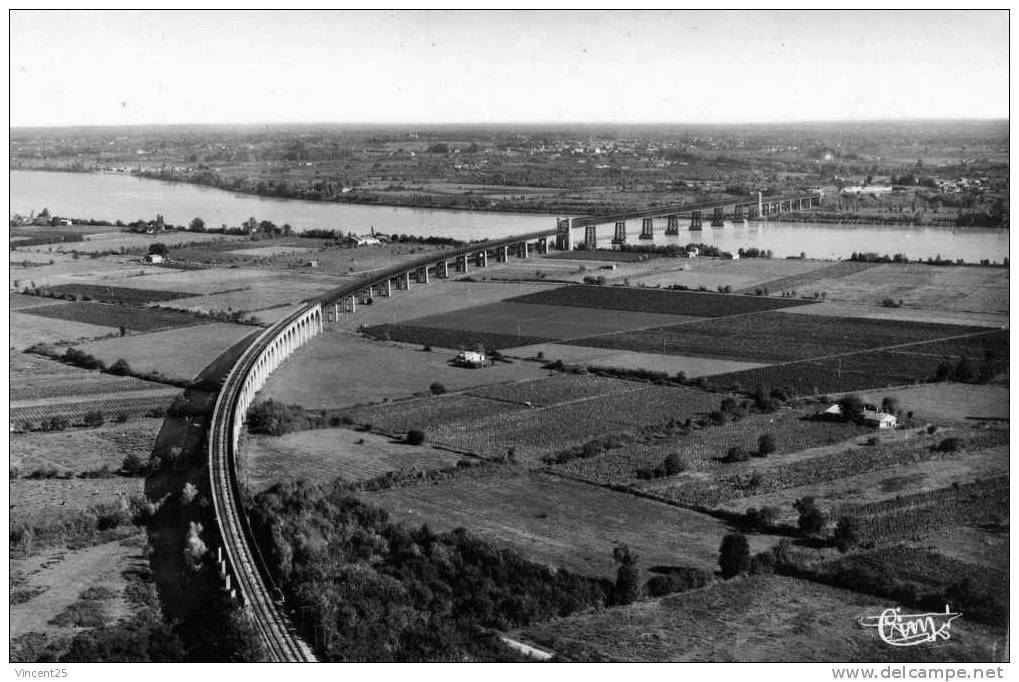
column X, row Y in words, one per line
column 244, row 571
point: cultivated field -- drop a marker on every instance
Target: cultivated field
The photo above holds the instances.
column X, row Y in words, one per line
column 338, row 369
column 564, row 523
column 36, row 386
column 113, row 294
column 702, row 449
column 31, row 414
column 535, row 432
column 84, row 450
column 44, row 497
column 115, row 316
column 323, row 455
column 28, row 330
column 556, row 389
column 635, row 299
column 264, row 251
column 874, row 369
column 693, row 367
column 758, row 618
column 882, row 484
column 529, row 320
column 440, row 296
column 175, row 353
column 119, row 241
column 456, row 411
column 775, row 337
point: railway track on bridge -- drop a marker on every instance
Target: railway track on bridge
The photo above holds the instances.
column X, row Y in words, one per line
column 243, row 566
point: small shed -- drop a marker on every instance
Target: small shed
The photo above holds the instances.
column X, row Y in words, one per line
column 153, row 258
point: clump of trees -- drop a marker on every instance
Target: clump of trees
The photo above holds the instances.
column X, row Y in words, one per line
column 362, row 588
column 276, row 419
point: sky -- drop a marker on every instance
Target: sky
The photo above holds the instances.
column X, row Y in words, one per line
column 163, row 67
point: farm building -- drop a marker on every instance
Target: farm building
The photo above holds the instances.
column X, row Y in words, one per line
column 361, row 241
column 470, row 359
column 880, row 420
column 153, row 258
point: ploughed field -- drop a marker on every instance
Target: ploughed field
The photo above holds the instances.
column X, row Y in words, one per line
column 104, row 314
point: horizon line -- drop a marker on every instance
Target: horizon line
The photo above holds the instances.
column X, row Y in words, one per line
column 813, row 121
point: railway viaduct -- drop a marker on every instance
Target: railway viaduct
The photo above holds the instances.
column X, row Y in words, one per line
column 242, row 568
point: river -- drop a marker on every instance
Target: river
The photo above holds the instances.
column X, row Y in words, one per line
column 128, row 198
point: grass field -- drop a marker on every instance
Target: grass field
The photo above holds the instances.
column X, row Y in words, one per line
column 964, row 288
column 28, row 330
column 462, row 339
column 113, row 240
column 941, row 402
column 86, row 449
column 636, row 299
column 266, row 251
column 774, row 337
column 338, row 369
column 563, row 523
column 877, row 312
column 741, row 275
column 19, row 301
column 182, row 353
column 60, row 577
column 759, row 618
column 323, row 455
column 555, row 389
column 50, row 496
column 455, row 411
column 134, row 319
column 601, row 357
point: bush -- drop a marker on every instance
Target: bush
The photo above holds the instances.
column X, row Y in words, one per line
column 762, row 563
column 415, row 437
column 847, row 533
column 952, row 444
column 812, row 520
column 677, row 579
column 133, row 465
column 766, row 445
column 736, row 454
column 120, row 367
column 627, row 575
column 673, row 465
column 93, row 418
column 437, row 388
column 734, row 555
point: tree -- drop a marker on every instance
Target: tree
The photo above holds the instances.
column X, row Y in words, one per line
column 847, row 533
column 197, row 225
column 158, row 249
column 766, row 444
column 415, row 437
column 133, row 465
column 812, row 520
column 734, row 555
column 437, row 388
column 964, row 371
column 851, row 406
column 627, row 575
column 890, row 405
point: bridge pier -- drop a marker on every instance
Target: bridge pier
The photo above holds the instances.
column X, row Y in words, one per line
column 482, row 259
column 672, row 225
column 738, row 212
column 620, row 236
column 695, row 220
column 461, row 263
column 543, row 245
column 647, row 228
column 441, row 269
column 387, row 288
column 564, row 235
column 502, row 254
column 403, row 281
column 423, row 275
column 718, row 219
column 591, row 236
column 523, row 250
